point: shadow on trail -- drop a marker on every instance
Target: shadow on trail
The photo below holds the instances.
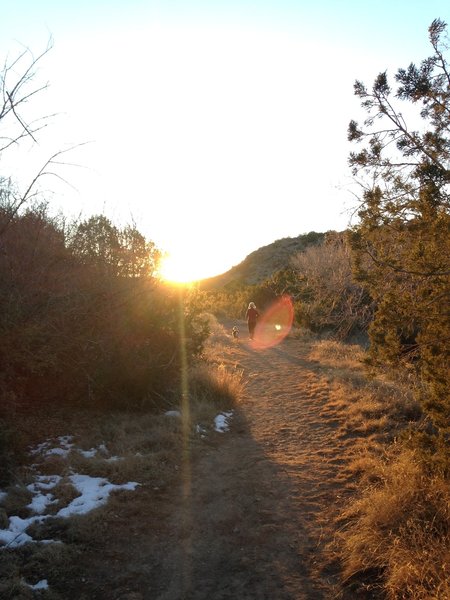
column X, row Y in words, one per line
column 298, row 361
column 247, row 529
column 237, row 536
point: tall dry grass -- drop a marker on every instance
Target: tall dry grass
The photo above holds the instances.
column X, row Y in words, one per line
column 394, row 538
column 398, row 531
column 337, row 354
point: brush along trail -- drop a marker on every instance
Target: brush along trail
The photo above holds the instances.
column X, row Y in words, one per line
column 239, row 515
column 256, row 508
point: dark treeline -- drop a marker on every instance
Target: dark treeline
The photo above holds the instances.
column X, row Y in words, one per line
column 83, row 319
column 402, row 245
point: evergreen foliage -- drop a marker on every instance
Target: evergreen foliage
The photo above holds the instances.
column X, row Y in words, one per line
column 402, row 243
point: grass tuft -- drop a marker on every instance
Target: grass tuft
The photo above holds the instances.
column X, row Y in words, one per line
column 216, row 385
column 337, row 354
column 400, row 527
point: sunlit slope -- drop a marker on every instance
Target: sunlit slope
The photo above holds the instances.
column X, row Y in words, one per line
column 262, row 263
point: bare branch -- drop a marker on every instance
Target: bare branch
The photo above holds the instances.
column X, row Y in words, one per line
column 16, row 94
column 28, row 194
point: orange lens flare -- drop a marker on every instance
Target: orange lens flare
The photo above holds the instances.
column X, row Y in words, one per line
column 275, row 324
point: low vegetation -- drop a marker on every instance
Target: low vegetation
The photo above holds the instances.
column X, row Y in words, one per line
column 392, row 535
column 84, row 321
column 398, row 533
column 153, row 449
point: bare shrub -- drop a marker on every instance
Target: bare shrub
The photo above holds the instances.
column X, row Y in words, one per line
column 329, row 299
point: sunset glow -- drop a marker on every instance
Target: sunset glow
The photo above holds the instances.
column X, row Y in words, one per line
column 180, row 269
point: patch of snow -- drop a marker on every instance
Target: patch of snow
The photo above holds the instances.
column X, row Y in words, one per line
column 88, row 453
column 221, row 422
column 40, row 502
column 201, row 430
column 57, row 452
column 39, row 449
column 63, row 448
column 15, row 534
column 94, row 491
column 44, row 482
column 45, row 449
column 40, row 585
column 65, row 440
column 172, row 413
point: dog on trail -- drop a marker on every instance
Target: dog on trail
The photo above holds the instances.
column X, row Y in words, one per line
column 235, row 333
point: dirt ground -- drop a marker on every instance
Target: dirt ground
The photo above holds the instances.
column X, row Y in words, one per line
column 251, row 512
column 254, row 517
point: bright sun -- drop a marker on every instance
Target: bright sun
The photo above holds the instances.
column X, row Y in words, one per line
column 180, row 269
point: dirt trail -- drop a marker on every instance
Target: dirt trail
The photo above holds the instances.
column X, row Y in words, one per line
column 252, row 520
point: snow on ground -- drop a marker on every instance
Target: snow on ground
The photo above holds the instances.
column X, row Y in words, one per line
column 40, row 500
column 40, row 585
column 172, row 413
column 64, row 447
column 93, row 491
column 221, row 422
column 15, row 534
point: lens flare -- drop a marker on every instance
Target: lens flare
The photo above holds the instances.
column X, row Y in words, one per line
column 275, row 324
column 186, row 514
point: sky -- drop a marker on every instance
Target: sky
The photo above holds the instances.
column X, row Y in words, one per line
column 216, row 127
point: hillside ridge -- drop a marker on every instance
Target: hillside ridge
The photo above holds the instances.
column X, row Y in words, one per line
column 262, row 263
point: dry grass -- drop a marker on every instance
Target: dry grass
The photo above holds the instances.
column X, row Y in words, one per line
column 216, row 384
column 148, row 448
column 400, row 528
column 372, row 413
column 394, row 537
column 338, row 355
column 303, row 334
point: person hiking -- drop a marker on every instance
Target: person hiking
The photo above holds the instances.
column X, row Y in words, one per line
column 252, row 316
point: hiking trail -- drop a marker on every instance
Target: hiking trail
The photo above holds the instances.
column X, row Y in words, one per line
column 255, row 520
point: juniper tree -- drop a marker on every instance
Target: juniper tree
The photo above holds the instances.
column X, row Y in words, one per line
column 401, row 244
